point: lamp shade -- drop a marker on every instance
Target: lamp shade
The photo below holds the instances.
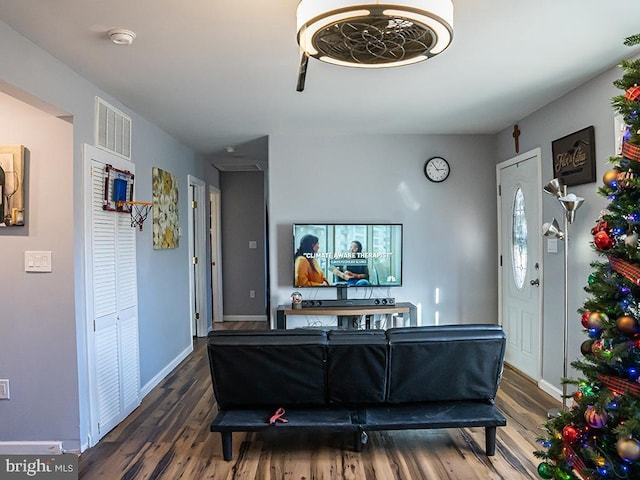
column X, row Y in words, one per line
column 555, row 187
column 552, row 229
column 372, row 35
column 571, row 203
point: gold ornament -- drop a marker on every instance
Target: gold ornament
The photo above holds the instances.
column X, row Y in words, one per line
column 610, row 178
column 627, row 325
column 628, row 449
column 595, row 320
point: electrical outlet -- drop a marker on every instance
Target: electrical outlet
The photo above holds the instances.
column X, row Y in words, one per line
column 252, row 294
column 4, row 389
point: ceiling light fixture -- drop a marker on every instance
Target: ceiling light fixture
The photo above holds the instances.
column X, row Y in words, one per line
column 121, row 36
column 372, row 35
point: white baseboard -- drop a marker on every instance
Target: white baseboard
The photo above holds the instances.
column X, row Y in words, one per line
column 550, row 389
column 245, row 318
column 151, row 384
column 31, row 448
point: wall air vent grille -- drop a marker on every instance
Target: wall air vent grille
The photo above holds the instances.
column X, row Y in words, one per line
column 113, row 129
column 237, row 167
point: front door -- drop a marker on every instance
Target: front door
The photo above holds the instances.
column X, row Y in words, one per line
column 520, row 240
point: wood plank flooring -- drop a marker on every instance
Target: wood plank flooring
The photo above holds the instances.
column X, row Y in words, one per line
column 168, row 437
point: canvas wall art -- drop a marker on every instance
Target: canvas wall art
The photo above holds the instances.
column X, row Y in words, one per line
column 165, row 209
column 12, row 194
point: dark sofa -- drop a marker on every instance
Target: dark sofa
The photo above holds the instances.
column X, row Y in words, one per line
column 357, row 380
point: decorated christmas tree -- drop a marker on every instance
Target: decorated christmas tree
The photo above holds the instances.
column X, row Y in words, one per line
column 598, row 435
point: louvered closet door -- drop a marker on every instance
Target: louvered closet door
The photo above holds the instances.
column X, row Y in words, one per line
column 111, row 272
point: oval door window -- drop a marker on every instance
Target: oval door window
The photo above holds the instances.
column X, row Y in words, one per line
column 519, row 239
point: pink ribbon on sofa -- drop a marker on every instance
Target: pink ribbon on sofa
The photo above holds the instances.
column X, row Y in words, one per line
column 278, row 416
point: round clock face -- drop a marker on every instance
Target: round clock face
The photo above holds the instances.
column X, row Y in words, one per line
column 437, row 169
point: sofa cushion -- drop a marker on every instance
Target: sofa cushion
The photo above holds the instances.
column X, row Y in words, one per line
column 356, row 366
column 422, row 360
column 267, row 368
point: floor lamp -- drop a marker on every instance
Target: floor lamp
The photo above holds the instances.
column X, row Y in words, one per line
column 570, row 203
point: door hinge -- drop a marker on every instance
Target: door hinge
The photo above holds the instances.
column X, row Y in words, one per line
column 194, row 204
column 94, row 325
column 499, row 190
column 196, row 316
column 500, row 260
column 195, row 260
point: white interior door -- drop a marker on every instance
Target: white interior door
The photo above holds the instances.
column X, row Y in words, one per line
column 216, row 255
column 197, row 253
column 112, row 301
column 519, row 213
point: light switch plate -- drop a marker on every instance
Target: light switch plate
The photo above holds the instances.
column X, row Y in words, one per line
column 37, row 261
column 4, row 389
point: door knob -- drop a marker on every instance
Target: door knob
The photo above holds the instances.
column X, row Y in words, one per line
column 535, row 283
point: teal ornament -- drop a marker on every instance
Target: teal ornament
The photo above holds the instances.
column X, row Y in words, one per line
column 592, row 278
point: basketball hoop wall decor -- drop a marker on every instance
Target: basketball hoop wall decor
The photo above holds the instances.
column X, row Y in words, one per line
column 165, row 209
column 12, row 186
column 118, row 190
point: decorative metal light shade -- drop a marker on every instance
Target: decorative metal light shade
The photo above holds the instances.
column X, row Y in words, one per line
column 571, row 203
column 555, row 187
column 552, row 229
column 376, row 34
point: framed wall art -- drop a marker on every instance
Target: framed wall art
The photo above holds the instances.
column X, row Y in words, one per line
column 12, row 201
column 574, row 157
column 165, row 209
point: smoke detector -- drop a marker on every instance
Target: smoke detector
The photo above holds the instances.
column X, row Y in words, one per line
column 121, row 36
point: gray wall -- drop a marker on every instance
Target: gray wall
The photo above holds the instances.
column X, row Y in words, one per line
column 37, row 324
column 450, row 238
column 587, row 105
column 43, row 328
column 243, row 268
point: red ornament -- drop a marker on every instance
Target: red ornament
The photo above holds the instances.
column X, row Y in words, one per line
column 595, row 419
column 585, row 317
column 597, row 347
column 633, row 94
column 569, row 434
column 603, row 241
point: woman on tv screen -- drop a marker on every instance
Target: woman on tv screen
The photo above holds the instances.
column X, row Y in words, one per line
column 307, row 269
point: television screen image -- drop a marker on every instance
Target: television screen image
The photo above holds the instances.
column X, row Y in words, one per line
column 347, row 255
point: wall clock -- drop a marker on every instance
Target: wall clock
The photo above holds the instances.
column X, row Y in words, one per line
column 437, row 169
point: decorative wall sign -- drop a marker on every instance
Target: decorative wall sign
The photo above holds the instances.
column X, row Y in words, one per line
column 12, row 199
column 165, row 209
column 574, row 157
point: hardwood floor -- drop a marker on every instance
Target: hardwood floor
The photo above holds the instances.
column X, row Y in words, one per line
column 168, row 437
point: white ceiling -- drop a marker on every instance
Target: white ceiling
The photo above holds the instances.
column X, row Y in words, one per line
column 218, row 73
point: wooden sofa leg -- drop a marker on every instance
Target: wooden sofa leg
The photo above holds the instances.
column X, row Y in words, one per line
column 490, row 437
column 227, row 445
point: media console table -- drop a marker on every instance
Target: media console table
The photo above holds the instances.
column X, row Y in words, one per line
column 408, row 311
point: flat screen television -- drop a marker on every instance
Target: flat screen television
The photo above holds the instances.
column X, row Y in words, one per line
column 347, row 255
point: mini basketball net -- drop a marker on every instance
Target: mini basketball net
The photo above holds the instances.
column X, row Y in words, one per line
column 139, row 212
